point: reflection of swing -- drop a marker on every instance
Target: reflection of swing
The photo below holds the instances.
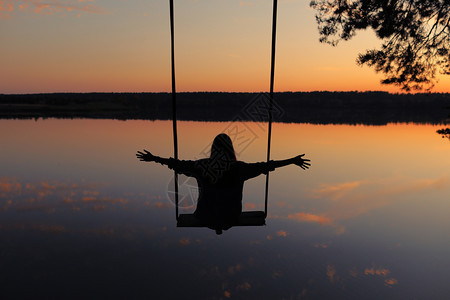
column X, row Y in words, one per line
column 247, row 218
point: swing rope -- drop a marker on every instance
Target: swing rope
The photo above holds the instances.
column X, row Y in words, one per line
column 272, row 75
column 174, row 103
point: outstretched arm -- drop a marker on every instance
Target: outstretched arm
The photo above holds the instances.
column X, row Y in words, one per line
column 147, row 156
column 186, row 167
column 255, row 169
column 297, row 160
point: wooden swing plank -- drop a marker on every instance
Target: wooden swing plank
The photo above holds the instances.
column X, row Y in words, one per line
column 247, row 218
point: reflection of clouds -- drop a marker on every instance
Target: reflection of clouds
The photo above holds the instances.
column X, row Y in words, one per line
column 379, row 271
column 372, row 272
column 334, row 192
column 390, row 281
column 331, row 273
column 47, row 228
column 319, row 219
column 99, row 207
column 8, row 185
column 48, row 196
column 382, row 272
column 159, row 204
column 321, row 245
column 53, row 196
column 184, row 241
column 248, row 206
column 308, row 217
column 231, row 279
column 49, row 7
column 282, row 233
column 351, row 199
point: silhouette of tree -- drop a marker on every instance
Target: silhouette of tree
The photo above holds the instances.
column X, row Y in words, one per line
column 445, row 132
column 415, row 34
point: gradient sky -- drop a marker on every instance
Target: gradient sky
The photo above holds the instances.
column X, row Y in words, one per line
column 221, row 45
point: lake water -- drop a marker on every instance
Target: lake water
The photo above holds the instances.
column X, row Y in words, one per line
column 81, row 217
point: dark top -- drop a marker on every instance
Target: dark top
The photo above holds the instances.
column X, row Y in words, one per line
column 220, row 185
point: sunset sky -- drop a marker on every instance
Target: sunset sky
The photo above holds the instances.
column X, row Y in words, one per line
column 221, row 45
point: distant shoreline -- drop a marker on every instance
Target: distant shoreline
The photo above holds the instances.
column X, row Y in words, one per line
column 374, row 108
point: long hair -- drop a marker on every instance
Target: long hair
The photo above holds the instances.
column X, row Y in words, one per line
column 222, row 149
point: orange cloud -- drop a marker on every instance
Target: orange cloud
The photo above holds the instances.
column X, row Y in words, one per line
column 334, row 192
column 44, row 196
column 50, row 7
column 351, row 199
column 9, row 185
column 88, row 199
column 390, row 281
column 6, row 6
column 158, row 204
column 308, row 217
column 184, row 241
column 282, row 233
column 320, row 219
column 379, row 271
column 249, row 206
column 331, row 273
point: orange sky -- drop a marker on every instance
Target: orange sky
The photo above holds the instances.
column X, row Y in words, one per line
column 123, row 46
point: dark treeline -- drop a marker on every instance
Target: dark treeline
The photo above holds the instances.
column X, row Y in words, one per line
column 299, row 107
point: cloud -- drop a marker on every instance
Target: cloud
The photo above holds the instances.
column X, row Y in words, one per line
column 47, row 196
column 308, row 217
column 49, row 7
column 282, row 233
column 9, row 185
column 334, row 192
column 320, row 219
column 331, row 274
column 355, row 198
column 378, row 271
column 383, row 272
column 248, row 206
column 390, row 281
column 6, row 6
column 184, row 242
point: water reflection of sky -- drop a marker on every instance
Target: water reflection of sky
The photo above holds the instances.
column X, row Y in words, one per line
column 80, row 215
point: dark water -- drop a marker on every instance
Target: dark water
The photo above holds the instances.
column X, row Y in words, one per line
column 81, row 217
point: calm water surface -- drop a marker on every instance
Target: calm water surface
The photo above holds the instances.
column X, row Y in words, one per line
column 81, row 217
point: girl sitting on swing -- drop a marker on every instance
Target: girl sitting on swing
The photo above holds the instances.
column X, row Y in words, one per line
column 220, row 180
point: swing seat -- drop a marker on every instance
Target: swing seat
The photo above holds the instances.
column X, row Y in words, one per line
column 247, row 218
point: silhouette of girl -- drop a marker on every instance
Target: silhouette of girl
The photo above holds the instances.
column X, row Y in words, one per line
column 220, row 179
